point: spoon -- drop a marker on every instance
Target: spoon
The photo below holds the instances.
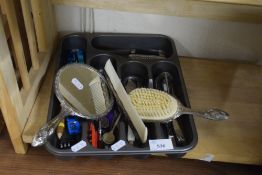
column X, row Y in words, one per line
column 109, row 137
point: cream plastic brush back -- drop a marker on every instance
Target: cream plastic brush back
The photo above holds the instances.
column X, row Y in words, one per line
column 126, row 102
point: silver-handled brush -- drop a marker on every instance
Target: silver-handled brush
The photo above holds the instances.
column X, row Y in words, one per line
column 155, row 105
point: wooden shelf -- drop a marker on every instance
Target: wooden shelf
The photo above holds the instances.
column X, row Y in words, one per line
column 234, row 87
column 231, row 10
column 238, row 2
column 26, row 53
column 38, row 115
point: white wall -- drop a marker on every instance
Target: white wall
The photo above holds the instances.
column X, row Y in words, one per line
column 193, row 37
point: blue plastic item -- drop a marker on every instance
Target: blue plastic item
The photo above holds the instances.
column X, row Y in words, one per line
column 75, row 56
column 73, row 126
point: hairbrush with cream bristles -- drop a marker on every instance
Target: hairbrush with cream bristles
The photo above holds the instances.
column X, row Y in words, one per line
column 154, row 105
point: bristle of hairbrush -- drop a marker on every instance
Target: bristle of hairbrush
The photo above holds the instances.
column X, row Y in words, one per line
column 152, row 104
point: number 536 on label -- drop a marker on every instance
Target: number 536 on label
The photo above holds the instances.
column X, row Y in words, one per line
column 160, row 144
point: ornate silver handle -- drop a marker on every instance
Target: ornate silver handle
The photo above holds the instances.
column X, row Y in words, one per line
column 47, row 130
column 211, row 114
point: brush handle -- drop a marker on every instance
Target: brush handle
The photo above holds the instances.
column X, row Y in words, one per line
column 47, row 130
column 211, row 114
